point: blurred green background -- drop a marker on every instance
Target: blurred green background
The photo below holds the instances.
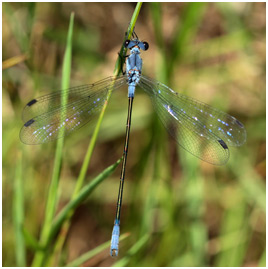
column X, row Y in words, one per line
column 187, row 212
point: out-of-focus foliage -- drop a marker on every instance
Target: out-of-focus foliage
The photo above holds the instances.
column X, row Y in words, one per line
column 195, row 214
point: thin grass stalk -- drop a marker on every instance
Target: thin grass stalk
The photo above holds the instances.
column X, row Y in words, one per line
column 90, row 254
column 53, row 188
column 82, row 195
column 18, row 215
column 132, row 251
column 117, row 71
column 185, row 33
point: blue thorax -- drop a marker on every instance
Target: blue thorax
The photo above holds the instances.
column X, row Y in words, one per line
column 134, row 64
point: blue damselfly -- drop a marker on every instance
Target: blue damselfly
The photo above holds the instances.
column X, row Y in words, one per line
column 203, row 131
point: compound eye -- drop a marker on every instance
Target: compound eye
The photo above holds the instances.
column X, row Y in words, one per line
column 146, row 45
column 126, row 43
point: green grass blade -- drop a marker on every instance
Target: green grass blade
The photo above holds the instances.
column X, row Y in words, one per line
column 157, row 19
column 53, row 188
column 262, row 261
column 162, row 68
column 88, row 255
column 194, row 203
column 133, row 250
column 186, row 32
column 82, row 195
column 31, row 241
column 117, row 71
column 18, row 215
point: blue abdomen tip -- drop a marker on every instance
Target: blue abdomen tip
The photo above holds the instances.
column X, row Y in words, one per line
column 115, row 240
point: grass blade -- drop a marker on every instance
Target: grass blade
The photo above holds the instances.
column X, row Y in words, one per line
column 31, row 241
column 53, row 188
column 18, row 215
column 117, row 71
column 82, row 195
column 134, row 249
column 88, row 255
column 14, row 61
column 185, row 32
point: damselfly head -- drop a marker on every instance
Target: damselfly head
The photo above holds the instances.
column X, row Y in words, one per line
column 129, row 44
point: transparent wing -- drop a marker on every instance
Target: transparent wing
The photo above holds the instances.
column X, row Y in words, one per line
column 199, row 128
column 45, row 119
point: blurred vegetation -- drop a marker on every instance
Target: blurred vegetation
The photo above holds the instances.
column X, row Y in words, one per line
column 178, row 210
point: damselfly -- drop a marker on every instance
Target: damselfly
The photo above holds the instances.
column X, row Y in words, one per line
column 204, row 131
